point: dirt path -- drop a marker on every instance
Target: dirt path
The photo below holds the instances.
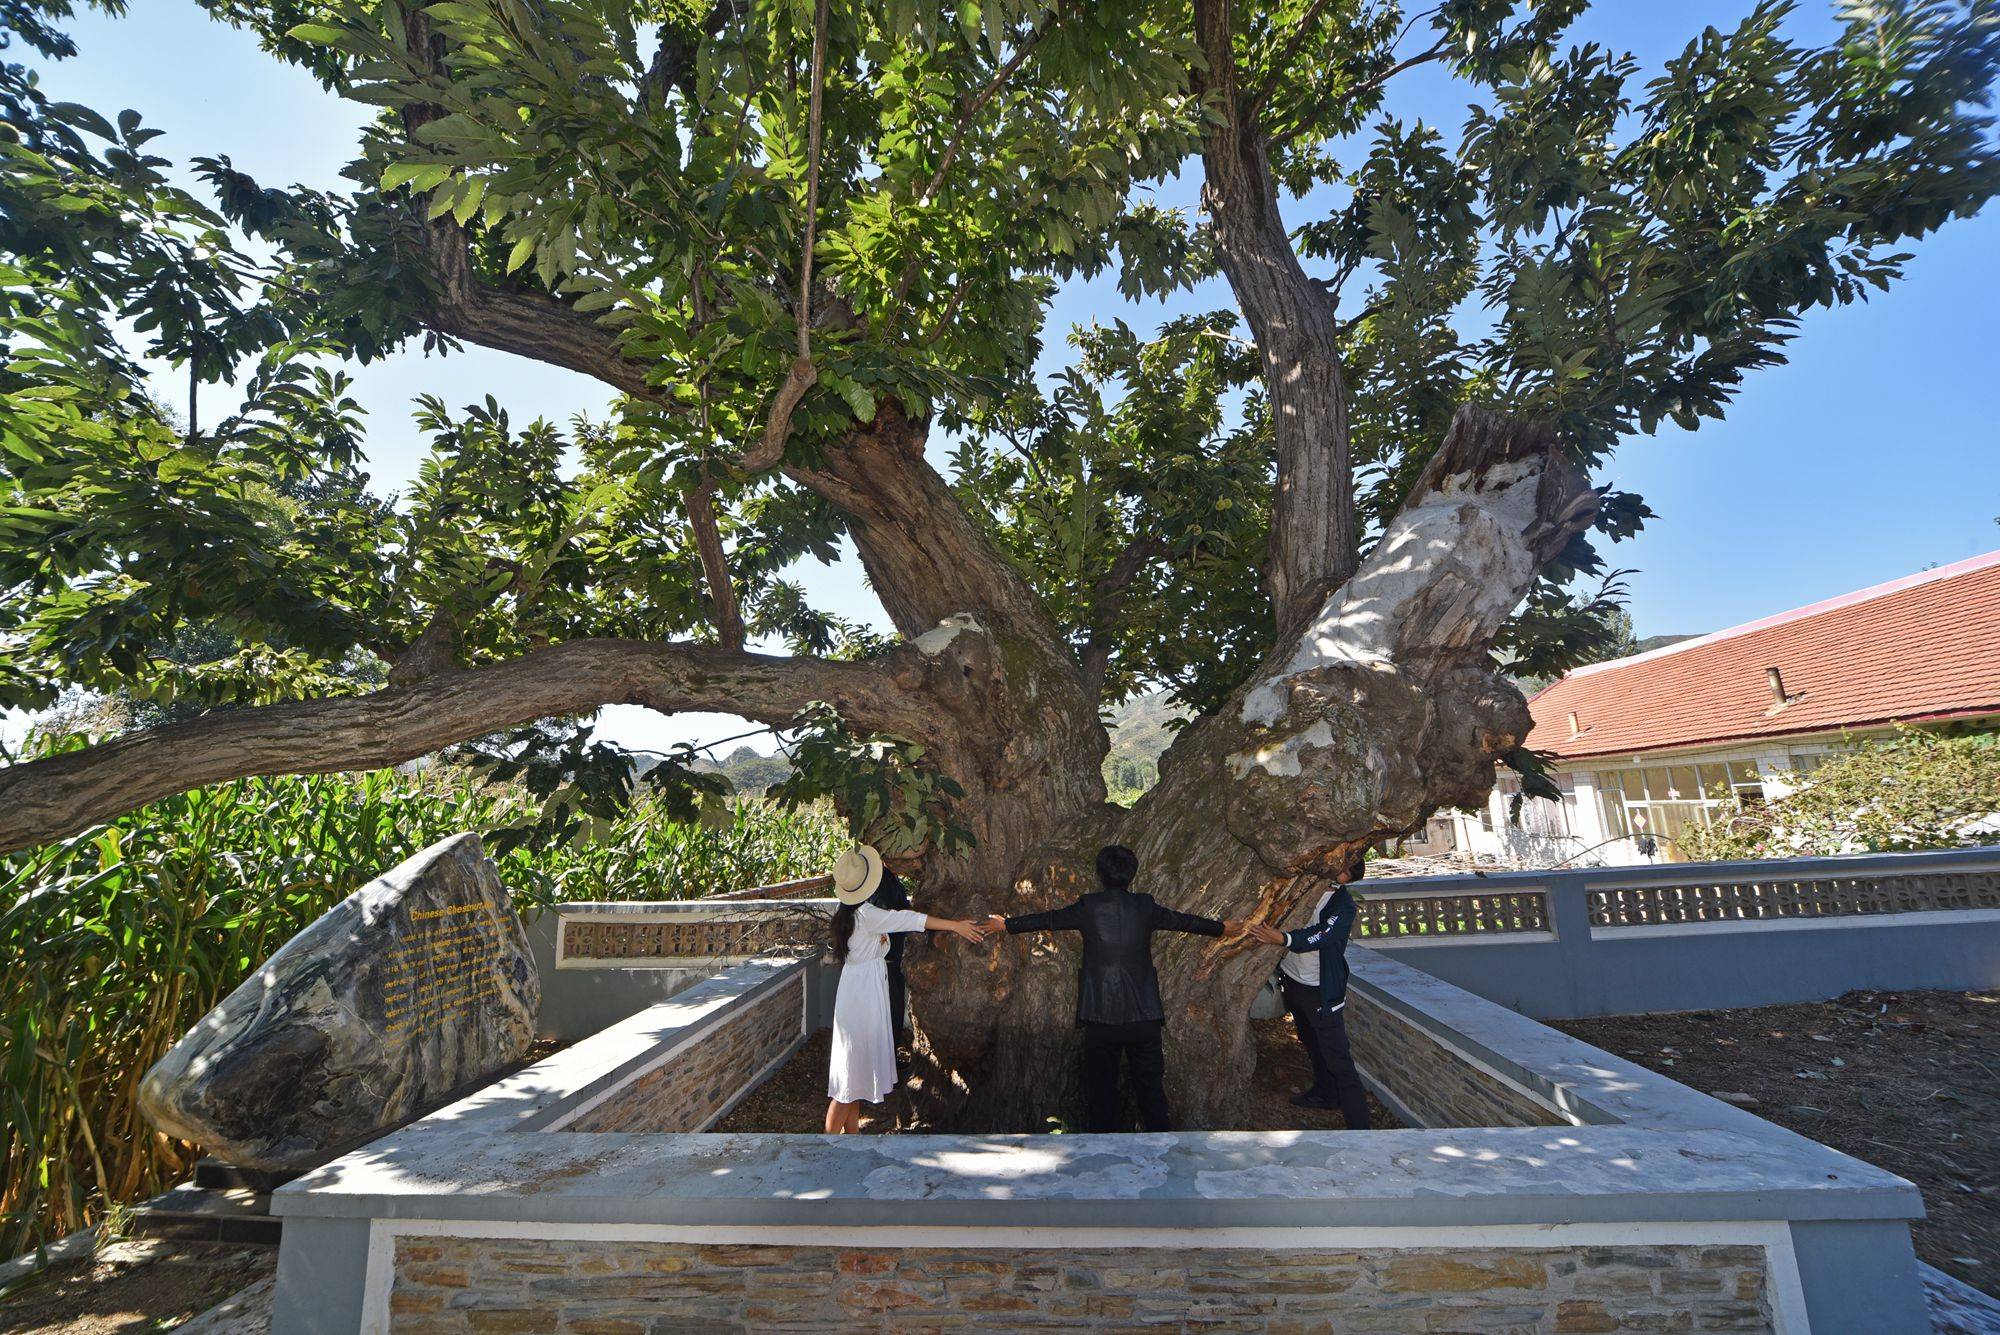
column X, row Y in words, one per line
column 1909, row 1081
column 132, row 1287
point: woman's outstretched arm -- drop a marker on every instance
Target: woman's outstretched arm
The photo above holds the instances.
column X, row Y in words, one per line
column 971, row 931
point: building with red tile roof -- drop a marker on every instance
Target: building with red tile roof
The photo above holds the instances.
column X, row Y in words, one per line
column 1646, row 744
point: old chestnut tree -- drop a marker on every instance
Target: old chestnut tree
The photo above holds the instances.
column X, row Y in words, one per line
column 808, row 247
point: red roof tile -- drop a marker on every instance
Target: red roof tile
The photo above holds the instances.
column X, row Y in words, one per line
column 1926, row 646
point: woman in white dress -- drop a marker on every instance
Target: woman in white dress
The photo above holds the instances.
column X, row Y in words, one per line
column 864, row 1041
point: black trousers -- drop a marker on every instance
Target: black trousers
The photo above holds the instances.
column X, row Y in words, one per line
column 1324, row 1038
column 899, row 1021
column 1138, row 1043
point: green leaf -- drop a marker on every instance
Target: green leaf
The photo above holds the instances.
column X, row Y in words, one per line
column 320, row 34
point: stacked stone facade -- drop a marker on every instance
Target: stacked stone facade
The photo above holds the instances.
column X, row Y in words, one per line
column 697, row 1084
column 1436, row 1084
column 458, row 1286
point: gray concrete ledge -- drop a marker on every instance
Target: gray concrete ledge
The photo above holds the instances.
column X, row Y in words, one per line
column 1535, row 1175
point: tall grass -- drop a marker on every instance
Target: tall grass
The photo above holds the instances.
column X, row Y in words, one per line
column 116, row 941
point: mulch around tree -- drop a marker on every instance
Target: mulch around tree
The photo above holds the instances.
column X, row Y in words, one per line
column 1909, row 1081
column 794, row 1098
column 131, row 1287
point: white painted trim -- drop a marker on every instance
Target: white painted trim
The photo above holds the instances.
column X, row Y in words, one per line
column 707, row 1027
column 1787, row 1290
column 1925, row 918
column 1458, row 939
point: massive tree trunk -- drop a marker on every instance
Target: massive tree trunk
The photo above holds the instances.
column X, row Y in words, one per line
column 1382, row 709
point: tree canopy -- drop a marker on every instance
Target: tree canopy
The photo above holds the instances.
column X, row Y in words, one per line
column 770, row 224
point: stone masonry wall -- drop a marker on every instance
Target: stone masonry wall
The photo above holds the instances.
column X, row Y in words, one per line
column 455, row 1286
column 689, row 1091
column 1438, row 1086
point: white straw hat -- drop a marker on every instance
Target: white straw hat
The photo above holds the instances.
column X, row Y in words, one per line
column 857, row 874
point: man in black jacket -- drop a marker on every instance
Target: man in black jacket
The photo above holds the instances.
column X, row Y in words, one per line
column 1117, row 991
column 1314, row 979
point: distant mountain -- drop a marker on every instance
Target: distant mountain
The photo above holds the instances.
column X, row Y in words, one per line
column 747, row 770
column 1140, row 730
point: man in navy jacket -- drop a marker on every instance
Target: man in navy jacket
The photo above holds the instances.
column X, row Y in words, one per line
column 1314, row 979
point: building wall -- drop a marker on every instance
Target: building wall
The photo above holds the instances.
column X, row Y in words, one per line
column 1575, row 833
column 458, row 1286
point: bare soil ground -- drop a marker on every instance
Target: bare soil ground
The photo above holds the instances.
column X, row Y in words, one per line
column 794, row 1099
column 1909, row 1081
column 132, row 1287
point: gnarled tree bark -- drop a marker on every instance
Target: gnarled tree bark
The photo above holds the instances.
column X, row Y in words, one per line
column 1380, row 710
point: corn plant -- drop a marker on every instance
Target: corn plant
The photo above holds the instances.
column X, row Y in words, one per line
column 117, row 940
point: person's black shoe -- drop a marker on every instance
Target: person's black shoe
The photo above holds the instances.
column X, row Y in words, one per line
column 1311, row 1098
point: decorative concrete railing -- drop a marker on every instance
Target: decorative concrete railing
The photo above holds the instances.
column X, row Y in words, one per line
column 1429, row 913
column 1635, row 1203
column 1742, row 897
column 1685, row 892
column 677, row 933
column 1692, row 936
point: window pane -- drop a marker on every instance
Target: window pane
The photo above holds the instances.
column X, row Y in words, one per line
column 1613, row 810
column 1683, row 786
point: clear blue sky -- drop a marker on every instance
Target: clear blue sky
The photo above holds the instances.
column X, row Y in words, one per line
column 1873, row 454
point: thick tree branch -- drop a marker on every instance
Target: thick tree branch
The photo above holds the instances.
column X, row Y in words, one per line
column 60, row 795
column 723, row 608
column 1384, row 706
column 427, row 655
column 510, row 319
column 926, row 556
column 1313, row 539
column 503, row 317
column 1108, row 600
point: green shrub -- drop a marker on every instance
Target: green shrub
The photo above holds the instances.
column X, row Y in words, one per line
column 1920, row 790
